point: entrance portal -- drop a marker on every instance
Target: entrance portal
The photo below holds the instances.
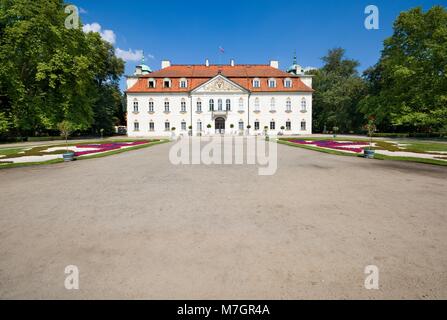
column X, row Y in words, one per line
column 220, row 126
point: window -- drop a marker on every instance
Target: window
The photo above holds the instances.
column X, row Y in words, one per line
column 256, row 125
column 151, row 126
column 303, row 125
column 183, row 83
column 219, row 105
column 151, row 83
column 288, row 125
column 288, row 83
column 257, row 107
column 166, row 83
column 256, row 83
column 183, row 126
column 183, row 105
column 304, row 105
column 151, row 105
column 199, row 126
column 241, row 104
column 211, row 105
column 272, row 83
column 241, row 125
column 199, row 105
column 272, row 125
column 166, row 106
column 228, row 105
column 135, row 106
column 167, row 126
column 136, row 126
column 272, row 104
column 288, row 105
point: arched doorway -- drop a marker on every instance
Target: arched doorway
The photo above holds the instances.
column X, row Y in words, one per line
column 220, row 125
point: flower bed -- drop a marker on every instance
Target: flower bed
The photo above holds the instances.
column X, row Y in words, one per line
column 105, row 147
column 349, row 146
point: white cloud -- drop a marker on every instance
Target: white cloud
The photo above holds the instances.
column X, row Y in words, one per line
column 107, row 35
column 310, row 68
column 129, row 55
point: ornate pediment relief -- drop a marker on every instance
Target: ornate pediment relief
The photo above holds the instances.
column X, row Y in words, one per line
column 220, row 84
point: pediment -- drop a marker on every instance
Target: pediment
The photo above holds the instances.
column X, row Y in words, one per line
column 220, row 84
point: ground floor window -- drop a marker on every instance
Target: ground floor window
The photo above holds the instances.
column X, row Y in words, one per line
column 151, row 126
column 288, row 126
column 183, row 126
column 256, row 125
column 272, row 125
column 167, row 126
column 303, row 125
column 241, row 125
column 136, row 126
column 199, row 126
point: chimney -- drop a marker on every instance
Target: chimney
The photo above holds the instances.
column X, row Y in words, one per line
column 207, row 62
column 274, row 64
column 165, row 64
column 138, row 71
column 232, row 62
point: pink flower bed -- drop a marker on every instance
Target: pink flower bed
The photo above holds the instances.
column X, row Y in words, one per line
column 104, row 147
column 344, row 146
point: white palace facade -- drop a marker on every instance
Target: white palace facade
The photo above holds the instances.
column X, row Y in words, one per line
column 219, row 99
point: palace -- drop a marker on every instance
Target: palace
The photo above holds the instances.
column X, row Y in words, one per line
column 219, row 99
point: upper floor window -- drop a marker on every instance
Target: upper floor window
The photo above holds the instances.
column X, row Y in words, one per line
column 183, row 105
column 183, row 83
column 228, row 105
column 272, row 104
column 288, row 83
column 257, row 105
column 288, row 105
column 256, row 83
column 199, row 105
column 151, row 83
column 272, row 83
column 303, row 104
column 241, row 104
column 151, row 105
column 166, row 105
column 211, row 105
column 219, row 105
column 166, row 83
column 135, row 106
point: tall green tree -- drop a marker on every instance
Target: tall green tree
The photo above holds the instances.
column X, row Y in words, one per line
column 338, row 89
column 408, row 86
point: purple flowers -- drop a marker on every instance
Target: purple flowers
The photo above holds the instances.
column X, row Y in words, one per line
column 97, row 148
column 344, row 146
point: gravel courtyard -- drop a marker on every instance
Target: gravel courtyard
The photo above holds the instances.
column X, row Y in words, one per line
column 140, row 228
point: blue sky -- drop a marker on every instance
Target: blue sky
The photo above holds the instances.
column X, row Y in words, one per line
column 250, row 31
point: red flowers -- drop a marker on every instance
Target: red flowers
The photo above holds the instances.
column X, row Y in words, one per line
column 104, row 147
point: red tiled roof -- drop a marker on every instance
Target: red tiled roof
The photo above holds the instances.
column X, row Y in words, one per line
column 197, row 75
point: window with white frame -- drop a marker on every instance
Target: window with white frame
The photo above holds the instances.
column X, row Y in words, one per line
column 241, row 104
column 256, row 125
column 257, row 105
column 136, row 126
column 241, row 125
column 272, row 104
column 166, row 105
column 183, row 83
column 167, row 126
column 272, row 125
column 256, row 83
column 166, row 83
column 304, row 105
column 183, row 125
column 183, row 106
column 199, row 105
column 219, row 105
column 272, row 83
column 135, row 106
column 228, row 105
column 303, row 125
column 151, row 126
column 287, row 83
column 288, row 105
column 151, row 105
column 199, row 126
column 288, row 125
column 151, row 83
column 211, row 105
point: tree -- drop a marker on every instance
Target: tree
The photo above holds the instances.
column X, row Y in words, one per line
column 408, row 86
column 338, row 89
